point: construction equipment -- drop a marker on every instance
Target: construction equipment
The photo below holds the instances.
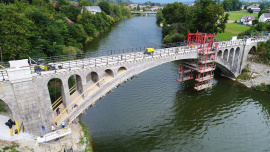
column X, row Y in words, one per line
column 149, row 51
column 41, row 65
column 204, row 65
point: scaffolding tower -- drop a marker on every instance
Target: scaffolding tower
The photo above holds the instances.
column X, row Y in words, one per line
column 204, row 65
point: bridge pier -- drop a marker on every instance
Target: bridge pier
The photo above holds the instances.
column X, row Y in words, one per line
column 66, row 95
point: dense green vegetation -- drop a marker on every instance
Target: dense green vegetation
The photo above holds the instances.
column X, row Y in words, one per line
column 262, row 87
column 37, row 28
column 178, row 19
column 231, row 5
column 262, row 54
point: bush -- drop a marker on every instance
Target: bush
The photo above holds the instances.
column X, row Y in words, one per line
column 262, row 87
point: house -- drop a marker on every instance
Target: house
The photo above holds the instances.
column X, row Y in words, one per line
column 265, row 17
column 243, row 6
column 92, row 9
column 254, row 7
column 247, row 19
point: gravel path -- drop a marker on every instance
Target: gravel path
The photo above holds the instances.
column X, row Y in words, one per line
column 260, row 74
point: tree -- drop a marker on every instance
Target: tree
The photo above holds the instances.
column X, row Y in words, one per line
column 176, row 12
column 105, row 6
column 84, row 3
column 263, row 6
column 227, row 5
column 15, row 31
column 138, row 7
column 261, row 12
column 71, row 12
column 245, row 7
column 210, row 18
column 250, row 10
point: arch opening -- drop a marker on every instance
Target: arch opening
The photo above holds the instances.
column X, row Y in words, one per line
column 108, row 76
column 75, row 84
column 121, row 70
column 91, row 87
column 219, row 54
column 231, row 56
column 5, row 110
column 56, row 91
column 225, row 55
column 252, row 50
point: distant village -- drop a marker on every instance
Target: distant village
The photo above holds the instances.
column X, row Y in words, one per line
column 141, row 7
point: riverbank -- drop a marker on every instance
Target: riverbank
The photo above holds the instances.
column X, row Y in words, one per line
column 79, row 140
column 256, row 74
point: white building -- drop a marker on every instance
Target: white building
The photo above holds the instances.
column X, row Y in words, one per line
column 265, row 17
column 254, row 7
column 92, row 9
column 247, row 19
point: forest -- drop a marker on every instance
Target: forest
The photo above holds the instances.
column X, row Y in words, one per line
column 177, row 19
column 39, row 28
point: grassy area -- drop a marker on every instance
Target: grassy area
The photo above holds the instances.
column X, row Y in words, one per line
column 86, row 139
column 236, row 15
column 232, row 29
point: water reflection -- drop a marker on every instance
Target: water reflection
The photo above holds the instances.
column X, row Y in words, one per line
column 156, row 113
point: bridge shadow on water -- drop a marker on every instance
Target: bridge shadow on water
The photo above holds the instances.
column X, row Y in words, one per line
column 193, row 114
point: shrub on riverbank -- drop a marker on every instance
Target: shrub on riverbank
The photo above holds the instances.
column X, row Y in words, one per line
column 245, row 74
column 262, row 87
column 86, row 139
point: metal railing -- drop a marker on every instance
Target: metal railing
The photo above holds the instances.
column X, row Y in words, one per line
column 105, row 60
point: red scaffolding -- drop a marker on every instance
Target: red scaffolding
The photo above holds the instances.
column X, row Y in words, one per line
column 205, row 65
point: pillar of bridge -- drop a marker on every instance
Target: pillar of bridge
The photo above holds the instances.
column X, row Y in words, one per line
column 65, row 94
column 79, row 84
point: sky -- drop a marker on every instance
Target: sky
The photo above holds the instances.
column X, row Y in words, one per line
column 160, row 1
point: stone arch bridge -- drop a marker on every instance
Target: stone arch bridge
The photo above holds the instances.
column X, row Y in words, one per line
column 26, row 92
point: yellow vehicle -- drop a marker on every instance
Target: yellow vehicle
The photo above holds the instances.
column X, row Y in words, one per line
column 41, row 65
column 149, row 51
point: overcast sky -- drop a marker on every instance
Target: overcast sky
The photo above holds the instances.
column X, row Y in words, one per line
column 160, row 1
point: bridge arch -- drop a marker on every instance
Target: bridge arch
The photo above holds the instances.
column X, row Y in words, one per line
column 109, row 72
column 252, row 50
column 219, row 54
column 121, row 70
column 5, row 109
column 56, row 92
column 75, row 84
column 231, row 54
column 225, row 55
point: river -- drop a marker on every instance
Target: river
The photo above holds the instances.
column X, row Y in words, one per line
column 156, row 113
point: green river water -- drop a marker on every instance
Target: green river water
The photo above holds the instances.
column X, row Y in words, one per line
column 156, row 113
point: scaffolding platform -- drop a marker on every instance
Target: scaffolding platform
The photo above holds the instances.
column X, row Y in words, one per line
column 54, row 135
column 205, row 65
column 201, row 87
column 201, row 79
